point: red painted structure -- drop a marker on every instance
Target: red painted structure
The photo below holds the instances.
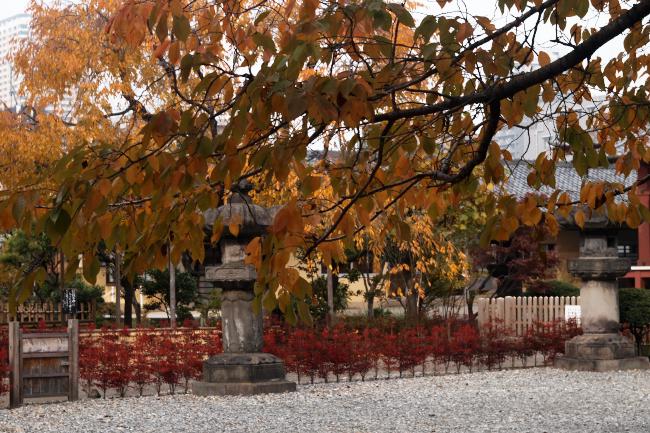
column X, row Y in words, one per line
column 641, row 271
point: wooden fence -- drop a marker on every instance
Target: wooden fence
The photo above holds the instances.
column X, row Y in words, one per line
column 50, row 312
column 521, row 312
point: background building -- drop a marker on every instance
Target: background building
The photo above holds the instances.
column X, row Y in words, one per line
column 12, row 31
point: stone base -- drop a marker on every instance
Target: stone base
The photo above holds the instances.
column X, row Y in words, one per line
column 242, row 388
column 602, row 365
column 599, row 346
column 243, row 374
column 601, row 352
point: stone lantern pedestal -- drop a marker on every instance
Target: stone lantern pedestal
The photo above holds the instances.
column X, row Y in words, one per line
column 242, row 368
column 601, row 347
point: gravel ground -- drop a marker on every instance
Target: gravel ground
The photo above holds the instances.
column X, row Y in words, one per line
column 531, row 400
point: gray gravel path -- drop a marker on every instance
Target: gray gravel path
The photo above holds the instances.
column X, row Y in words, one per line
column 532, row 400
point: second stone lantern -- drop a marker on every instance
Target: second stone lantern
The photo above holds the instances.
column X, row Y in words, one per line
column 242, row 368
column 601, row 347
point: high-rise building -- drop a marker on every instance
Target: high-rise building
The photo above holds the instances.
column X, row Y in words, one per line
column 12, row 30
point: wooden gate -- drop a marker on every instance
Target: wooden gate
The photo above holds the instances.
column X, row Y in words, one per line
column 43, row 364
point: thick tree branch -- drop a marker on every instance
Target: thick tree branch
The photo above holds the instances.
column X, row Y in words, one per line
column 524, row 81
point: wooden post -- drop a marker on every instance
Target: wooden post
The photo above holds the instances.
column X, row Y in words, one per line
column 62, row 278
column 73, row 359
column 15, row 361
column 508, row 320
column 481, row 312
column 172, row 288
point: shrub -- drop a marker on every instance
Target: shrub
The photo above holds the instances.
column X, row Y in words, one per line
column 634, row 307
column 553, row 288
column 114, row 359
column 464, row 347
column 105, row 363
column 439, row 346
column 141, row 368
column 496, row 344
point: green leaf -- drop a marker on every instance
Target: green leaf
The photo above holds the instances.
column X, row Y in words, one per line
column 186, row 66
column 90, row 268
column 161, row 29
column 181, row 25
column 205, row 146
column 265, row 41
column 61, row 220
column 427, row 27
column 151, row 21
column 402, row 14
column 303, row 312
column 268, row 301
column 71, row 268
column 205, row 83
column 581, row 7
column 290, row 315
column 261, row 17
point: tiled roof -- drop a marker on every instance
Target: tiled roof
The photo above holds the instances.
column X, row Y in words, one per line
column 566, row 179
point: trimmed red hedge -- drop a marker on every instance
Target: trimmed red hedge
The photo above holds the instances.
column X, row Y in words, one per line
column 117, row 360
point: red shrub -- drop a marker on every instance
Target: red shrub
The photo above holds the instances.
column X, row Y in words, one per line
column 496, row 344
column 464, row 347
column 307, row 349
column 439, row 346
column 166, row 363
column 141, row 371
column 338, row 351
column 192, row 351
column 369, row 352
column 411, row 350
column 362, row 357
column 112, row 359
column 390, row 352
column 107, row 363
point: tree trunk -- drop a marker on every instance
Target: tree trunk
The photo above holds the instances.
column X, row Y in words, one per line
column 330, row 297
column 128, row 303
column 172, row 290
column 62, row 271
column 138, row 310
column 412, row 305
column 118, row 284
column 370, row 302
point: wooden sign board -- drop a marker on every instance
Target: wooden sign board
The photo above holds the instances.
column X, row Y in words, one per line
column 572, row 312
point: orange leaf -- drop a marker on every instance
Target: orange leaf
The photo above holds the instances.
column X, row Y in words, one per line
column 543, row 58
column 579, row 218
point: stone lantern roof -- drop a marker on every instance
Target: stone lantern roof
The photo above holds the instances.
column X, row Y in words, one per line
column 253, row 219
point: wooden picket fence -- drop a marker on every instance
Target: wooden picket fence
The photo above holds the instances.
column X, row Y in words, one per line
column 50, row 312
column 521, row 312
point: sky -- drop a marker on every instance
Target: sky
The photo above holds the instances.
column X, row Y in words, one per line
column 12, row 7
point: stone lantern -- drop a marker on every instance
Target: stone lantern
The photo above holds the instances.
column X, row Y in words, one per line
column 601, row 347
column 242, row 368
